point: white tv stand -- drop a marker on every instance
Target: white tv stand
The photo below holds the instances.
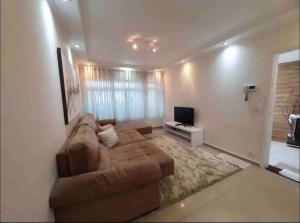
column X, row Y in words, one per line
column 194, row 135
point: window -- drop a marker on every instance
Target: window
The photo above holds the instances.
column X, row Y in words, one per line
column 126, row 95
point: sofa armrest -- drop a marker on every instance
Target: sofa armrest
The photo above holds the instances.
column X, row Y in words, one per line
column 106, row 121
column 90, row 186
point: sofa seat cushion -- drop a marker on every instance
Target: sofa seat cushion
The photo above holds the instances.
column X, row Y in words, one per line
column 129, row 136
column 142, row 128
column 105, row 162
column 143, row 150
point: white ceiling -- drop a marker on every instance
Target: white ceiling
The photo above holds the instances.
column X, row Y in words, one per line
column 180, row 26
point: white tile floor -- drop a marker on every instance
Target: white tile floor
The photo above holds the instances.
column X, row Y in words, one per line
column 284, row 157
column 252, row 194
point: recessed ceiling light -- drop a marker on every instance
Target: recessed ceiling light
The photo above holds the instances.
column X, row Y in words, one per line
column 66, row 0
column 77, row 46
column 134, row 46
column 225, row 44
column 154, row 50
column 155, row 41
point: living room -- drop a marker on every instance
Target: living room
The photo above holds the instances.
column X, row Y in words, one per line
column 148, row 110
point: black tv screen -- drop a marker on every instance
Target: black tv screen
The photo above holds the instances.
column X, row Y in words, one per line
column 184, row 115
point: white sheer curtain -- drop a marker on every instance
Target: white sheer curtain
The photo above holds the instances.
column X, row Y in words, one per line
column 123, row 94
column 155, row 95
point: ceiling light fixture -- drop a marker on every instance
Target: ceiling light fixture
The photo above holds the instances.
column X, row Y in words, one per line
column 66, row 0
column 226, row 44
column 140, row 43
column 77, row 45
column 134, row 46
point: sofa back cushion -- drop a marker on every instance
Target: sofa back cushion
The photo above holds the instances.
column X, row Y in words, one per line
column 83, row 151
column 89, row 120
column 62, row 162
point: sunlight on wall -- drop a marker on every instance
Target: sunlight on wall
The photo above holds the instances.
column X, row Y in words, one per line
column 187, row 68
column 70, row 56
column 187, row 77
column 187, row 73
column 158, row 75
column 227, row 65
column 230, row 55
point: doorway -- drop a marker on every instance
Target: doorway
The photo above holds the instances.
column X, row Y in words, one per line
column 284, row 152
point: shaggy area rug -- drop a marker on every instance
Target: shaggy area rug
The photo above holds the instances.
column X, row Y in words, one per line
column 194, row 170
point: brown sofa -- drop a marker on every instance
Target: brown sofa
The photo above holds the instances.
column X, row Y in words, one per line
column 100, row 184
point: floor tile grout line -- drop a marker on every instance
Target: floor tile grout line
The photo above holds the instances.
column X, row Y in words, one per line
column 227, row 191
column 276, row 175
column 244, row 179
column 216, row 198
column 221, row 194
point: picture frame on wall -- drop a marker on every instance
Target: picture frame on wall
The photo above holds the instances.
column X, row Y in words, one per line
column 70, row 89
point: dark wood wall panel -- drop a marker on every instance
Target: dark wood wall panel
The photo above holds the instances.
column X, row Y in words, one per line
column 288, row 78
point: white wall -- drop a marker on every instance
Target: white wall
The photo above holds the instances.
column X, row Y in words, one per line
column 32, row 123
column 289, row 56
column 213, row 84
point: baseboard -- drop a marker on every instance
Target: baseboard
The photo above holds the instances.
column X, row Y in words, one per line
column 233, row 154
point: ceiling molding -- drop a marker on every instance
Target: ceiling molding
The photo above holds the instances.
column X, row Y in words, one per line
column 186, row 30
column 69, row 24
column 249, row 32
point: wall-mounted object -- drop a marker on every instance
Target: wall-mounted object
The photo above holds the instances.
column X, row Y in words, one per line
column 70, row 89
column 249, row 88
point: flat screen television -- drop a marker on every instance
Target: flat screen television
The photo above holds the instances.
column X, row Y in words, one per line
column 184, row 115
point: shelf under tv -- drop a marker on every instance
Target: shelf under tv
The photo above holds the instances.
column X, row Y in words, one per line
column 194, row 135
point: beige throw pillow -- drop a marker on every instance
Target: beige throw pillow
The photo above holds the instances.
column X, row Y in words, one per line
column 108, row 137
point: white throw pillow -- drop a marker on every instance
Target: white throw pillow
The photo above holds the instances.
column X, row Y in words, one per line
column 108, row 137
column 104, row 127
